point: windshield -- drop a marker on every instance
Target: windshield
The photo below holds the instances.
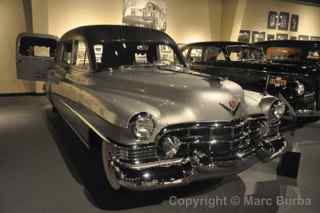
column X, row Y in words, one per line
column 244, row 53
column 127, row 54
column 292, row 54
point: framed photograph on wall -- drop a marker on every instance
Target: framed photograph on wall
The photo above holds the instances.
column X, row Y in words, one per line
column 272, row 20
column 303, row 37
column 145, row 13
column 294, row 23
column 258, row 36
column 283, row 22
column 293, row 38
column 282, row 36
column 244, row 36
column 315, row 38
column 270, row 37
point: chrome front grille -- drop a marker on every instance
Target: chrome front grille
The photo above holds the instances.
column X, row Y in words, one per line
column 137, row 153
column 216, row 139
column 221, row 131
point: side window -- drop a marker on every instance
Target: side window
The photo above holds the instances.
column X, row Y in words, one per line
column 185, row 53
column 166, row 54
column 196, row 55
column 37, row 47
column 67, row 52
column 314, row 54
column 81, row 54
column 98, row 51
column 235, row 56
column 213, row 54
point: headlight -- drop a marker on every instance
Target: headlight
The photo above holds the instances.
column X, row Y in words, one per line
column 142, row 126
column 277, row 110
column 300, row 88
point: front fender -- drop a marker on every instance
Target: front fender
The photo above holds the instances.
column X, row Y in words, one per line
column 258, row 103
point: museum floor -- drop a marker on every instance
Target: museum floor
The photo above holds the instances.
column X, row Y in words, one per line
column 35, row 178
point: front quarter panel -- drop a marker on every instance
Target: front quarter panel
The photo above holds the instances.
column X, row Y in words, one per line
column 257, row 102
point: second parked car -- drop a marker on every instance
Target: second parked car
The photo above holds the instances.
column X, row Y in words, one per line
column 296, row 84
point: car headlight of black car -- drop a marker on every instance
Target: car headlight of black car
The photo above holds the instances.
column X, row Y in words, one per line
column 142, row 126
column 277, row 110
column 300, row 89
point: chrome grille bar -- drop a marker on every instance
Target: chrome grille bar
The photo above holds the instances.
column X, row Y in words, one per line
column 231, row 136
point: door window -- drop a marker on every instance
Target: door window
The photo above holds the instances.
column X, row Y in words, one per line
column 166, row 54
column 98, row 50
column 81, row 54
column 314, row 54
column 185, row 53
column 67, row 53
column 213, row 54
column 38, row 47
column 196, row 55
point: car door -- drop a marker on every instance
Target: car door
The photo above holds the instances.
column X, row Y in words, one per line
column 35, row 56
column 69, row 89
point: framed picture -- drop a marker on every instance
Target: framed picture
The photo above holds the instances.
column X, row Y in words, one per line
column 315, row 38
column 303, row 37
column 283, row 22
column 282, row 36
column 258, row 36
column 293, row 38
column 145, row 13
column 244, row 36
column 272, row 20
column 270, row 37
column 294, row 23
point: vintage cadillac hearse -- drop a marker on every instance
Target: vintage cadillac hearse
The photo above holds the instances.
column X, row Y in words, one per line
column 156, row 123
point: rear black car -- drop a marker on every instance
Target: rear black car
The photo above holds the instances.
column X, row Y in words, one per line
column 296, row 83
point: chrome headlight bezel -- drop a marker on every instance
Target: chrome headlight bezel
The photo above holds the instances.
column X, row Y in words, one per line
column 300, row 88
column 277, row 110
column 142, row 126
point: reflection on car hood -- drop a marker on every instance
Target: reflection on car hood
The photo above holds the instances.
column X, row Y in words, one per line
column 171, row 97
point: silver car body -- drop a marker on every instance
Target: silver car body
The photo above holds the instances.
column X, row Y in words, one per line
column 178, row 101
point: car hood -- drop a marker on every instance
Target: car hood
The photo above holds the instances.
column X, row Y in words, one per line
column 170, row 97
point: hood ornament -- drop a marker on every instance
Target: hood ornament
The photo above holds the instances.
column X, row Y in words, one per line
column 232, row 106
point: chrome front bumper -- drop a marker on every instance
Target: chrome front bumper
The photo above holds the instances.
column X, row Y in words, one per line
column 178, row 172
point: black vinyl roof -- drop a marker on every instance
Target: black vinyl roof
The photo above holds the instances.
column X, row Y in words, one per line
column 215, row 43
column 114, row 33
column 289, row 43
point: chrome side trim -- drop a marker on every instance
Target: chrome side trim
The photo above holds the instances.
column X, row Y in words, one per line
column 162, row 163
column 74, row 130
column 85, row 121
